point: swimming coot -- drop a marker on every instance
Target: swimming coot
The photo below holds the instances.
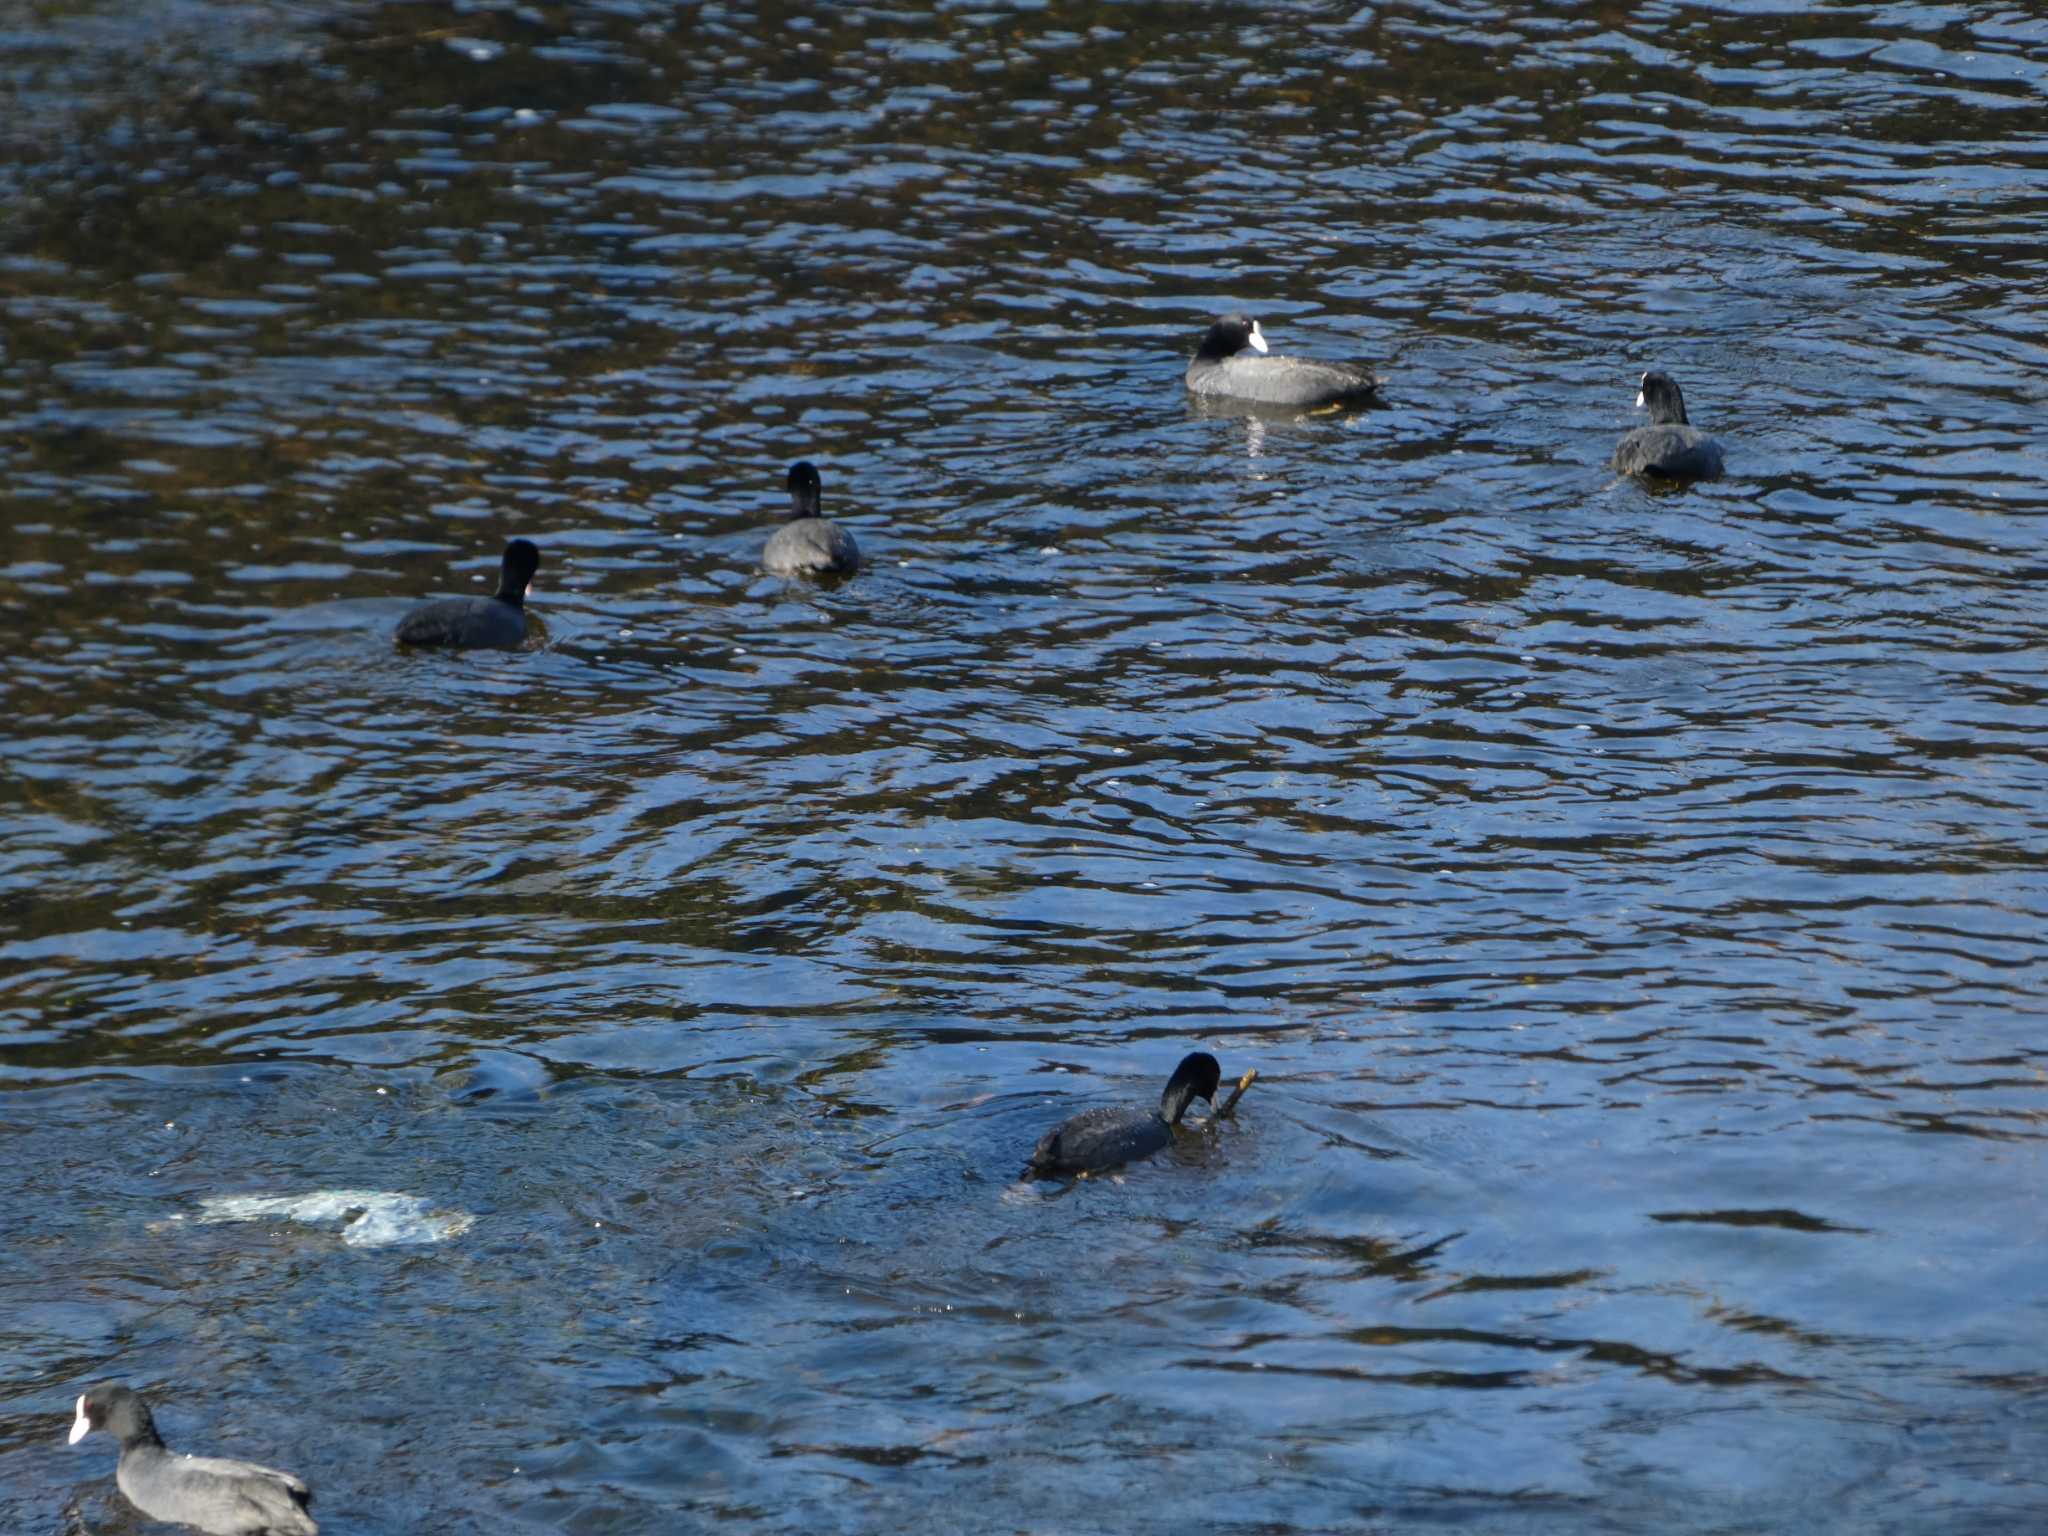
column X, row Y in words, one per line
column 1224, row 367
column 1668, row 448
column 807, row 545
column 478, row 623
column 1100, row 1139
column 224, row 1498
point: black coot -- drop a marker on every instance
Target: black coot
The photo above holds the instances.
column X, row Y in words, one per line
column 224, row 1498
column 807, row 545
column 1101, row 1139
column 1668, row 448
column 1232, row 364
column 478, row 623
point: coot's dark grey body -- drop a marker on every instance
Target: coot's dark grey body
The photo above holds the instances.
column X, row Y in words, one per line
column 1231, row 364
column 1668, row 448
column 478, row 623
column 807, row 545
column 223, row 1498
column 1100, row 1139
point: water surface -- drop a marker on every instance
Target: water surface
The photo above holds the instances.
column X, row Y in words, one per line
column 1631, row 902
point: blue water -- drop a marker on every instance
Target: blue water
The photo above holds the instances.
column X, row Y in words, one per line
column 1631, row 902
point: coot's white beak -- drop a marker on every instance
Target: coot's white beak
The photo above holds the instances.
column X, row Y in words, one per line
column 1640, row 401
column 1258, row 341
column 80, row 1426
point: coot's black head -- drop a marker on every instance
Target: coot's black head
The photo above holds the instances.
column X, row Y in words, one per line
column 1660, row 396
column 515, row 575
column 1195, row 1078
column 115, row 1409
column 1229, row 336
column 803, row 489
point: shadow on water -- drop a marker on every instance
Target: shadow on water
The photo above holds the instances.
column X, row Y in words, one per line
column 1631, row 902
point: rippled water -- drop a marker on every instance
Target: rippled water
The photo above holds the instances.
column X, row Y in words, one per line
column 1632, row 903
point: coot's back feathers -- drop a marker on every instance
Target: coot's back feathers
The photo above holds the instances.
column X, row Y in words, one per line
column 811, row 547
column 1097, row 1140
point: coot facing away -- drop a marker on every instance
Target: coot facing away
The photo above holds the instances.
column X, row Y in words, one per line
column 808, row 545
column 1669, row 448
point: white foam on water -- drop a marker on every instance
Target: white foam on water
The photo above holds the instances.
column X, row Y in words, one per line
column 369, row 1218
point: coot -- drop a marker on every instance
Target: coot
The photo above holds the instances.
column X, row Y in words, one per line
column 807, row 545
column 223, row 1498
column 1232, row 363
column 478, row 623
column 1668, row 448
column 1100, row 1139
